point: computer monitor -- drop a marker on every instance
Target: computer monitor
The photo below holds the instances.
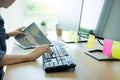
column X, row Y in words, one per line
column 72, row 21
column 108, row 27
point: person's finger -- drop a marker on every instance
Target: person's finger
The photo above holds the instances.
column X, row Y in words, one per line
column 22, row 33
column 21, row 28
column 47, row 49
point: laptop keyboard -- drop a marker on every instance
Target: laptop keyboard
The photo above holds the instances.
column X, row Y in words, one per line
column 59, row 61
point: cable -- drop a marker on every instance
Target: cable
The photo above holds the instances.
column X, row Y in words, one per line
column 100, row 42
column 91, row 32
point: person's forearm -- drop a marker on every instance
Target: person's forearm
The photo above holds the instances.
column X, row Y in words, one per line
column 10, row 34
column 13, row 59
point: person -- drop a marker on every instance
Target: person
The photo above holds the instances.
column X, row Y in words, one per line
column 7, row 59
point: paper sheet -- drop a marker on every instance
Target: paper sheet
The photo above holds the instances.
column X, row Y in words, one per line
column 91, row 39
column 107, row 47
column 116, row 49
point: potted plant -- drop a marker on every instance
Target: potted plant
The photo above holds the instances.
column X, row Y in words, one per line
column 43, row 23
column 44, row 27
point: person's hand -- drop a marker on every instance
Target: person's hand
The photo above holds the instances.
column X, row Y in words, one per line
column 16, row 32
column 39, row 51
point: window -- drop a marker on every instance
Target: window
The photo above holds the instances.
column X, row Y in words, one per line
column 41, row 7
column 41, row 10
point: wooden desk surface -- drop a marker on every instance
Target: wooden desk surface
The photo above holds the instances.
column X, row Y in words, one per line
column 87, row 68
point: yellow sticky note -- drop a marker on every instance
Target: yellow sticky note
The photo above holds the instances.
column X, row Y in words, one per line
column 70, row 35
column 75, row 37
column 116, row 49
column 91, row 39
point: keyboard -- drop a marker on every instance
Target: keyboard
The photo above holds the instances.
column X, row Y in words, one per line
column 60, row 60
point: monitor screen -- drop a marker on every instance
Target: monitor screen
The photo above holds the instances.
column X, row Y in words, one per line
column 69, row 19
column 109, row 21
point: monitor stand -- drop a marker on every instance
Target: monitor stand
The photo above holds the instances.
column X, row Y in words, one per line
column 65, row 38
column 97, row 54
column 80, row 40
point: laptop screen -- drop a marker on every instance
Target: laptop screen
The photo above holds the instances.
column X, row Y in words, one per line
column 33, row 37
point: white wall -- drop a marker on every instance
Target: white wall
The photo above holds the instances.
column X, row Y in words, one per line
column 91, row 13
column 13, row 15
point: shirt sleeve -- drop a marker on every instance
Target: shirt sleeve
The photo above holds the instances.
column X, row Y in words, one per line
column 7, row 36
column 1, row 54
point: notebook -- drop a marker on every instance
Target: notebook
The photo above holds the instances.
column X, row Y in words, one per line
column 33, row 37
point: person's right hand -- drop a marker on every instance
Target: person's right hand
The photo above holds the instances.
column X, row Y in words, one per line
column 39, row 51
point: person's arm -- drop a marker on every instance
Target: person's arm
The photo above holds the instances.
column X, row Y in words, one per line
column 13, row 59
column 15, row 32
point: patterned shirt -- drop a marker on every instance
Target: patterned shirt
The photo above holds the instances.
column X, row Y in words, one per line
column 3, row 37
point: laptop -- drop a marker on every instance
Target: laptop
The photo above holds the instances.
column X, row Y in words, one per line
column 33, row 37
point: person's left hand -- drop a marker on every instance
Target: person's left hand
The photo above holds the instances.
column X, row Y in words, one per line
column 16, row 32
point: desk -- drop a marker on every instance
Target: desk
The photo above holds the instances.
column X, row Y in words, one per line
column 87, row 68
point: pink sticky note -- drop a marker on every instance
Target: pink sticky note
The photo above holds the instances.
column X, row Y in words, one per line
column 107, row 49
